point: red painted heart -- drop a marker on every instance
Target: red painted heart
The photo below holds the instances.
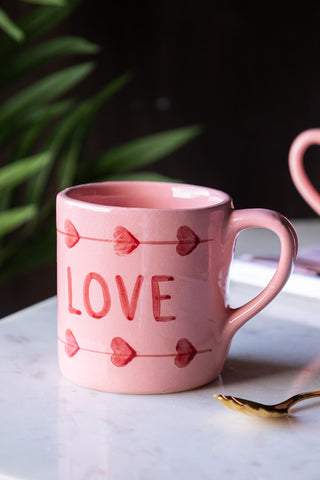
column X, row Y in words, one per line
column 71, row 346
column 188, row 240
column 186, row 353
column 124, row 241
column 72, row 236
column 123, row 353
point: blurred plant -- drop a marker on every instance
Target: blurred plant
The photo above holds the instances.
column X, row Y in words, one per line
column 42, row 138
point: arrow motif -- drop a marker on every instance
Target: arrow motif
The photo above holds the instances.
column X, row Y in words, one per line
column 187, row 241
column 124, row 242
column 71, row 345
column 123, row 353
column 185, row 352
column 72, row 235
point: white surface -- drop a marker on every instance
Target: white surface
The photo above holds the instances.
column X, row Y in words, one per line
column 262, row 242
column 258, row 274
column 52, row 429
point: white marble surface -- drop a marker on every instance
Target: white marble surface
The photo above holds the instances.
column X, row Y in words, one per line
column 52, row 429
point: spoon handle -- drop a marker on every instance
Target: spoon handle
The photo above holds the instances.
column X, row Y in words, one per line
column 295, row 399
column 260, row 409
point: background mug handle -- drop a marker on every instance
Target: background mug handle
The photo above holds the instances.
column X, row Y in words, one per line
column 296, row 167
column 280, row 225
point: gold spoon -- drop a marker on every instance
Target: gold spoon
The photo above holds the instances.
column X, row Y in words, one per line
column 259, row 409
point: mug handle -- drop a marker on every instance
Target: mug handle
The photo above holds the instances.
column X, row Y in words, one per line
column 277, row 223
column 296, row 167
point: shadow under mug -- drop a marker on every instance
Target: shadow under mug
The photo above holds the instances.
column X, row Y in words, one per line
column 296, row 166
column 143, row 279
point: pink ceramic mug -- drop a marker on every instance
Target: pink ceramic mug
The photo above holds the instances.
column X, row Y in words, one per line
column 142, row 280
column 297, row 171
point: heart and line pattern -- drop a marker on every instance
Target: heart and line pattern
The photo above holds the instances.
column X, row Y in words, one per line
column 122, row 353
column 124, row 242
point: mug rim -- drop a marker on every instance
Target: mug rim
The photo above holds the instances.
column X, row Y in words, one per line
column 216, row 197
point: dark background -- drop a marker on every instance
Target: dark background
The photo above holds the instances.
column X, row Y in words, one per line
column 249, row 72
column 250, row 76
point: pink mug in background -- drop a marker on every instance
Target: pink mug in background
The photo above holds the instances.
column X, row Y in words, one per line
column 142, row 283
column 298, row 174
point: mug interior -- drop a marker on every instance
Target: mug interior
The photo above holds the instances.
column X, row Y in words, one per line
column 149, row 195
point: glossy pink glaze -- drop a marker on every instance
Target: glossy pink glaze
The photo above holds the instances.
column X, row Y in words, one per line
column 297, row 171
column 142, row 283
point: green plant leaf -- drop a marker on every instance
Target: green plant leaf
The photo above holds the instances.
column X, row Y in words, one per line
column 145, row 150
column 142, row 176
column 85, row 111
column 45, row 113
column 44, row 90
column 37, row 117
column 70, row 159
column 16, row 168
column 83, row 115
column 43, row 19
column 39, row 21
column 29, row 254
column 26, row 143
column 54, row 3
column 15, row 173
column 10, row 28
column 13, row 218
column 43, row 53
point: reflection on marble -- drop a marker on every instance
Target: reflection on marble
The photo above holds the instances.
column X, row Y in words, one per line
column 52, row 429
